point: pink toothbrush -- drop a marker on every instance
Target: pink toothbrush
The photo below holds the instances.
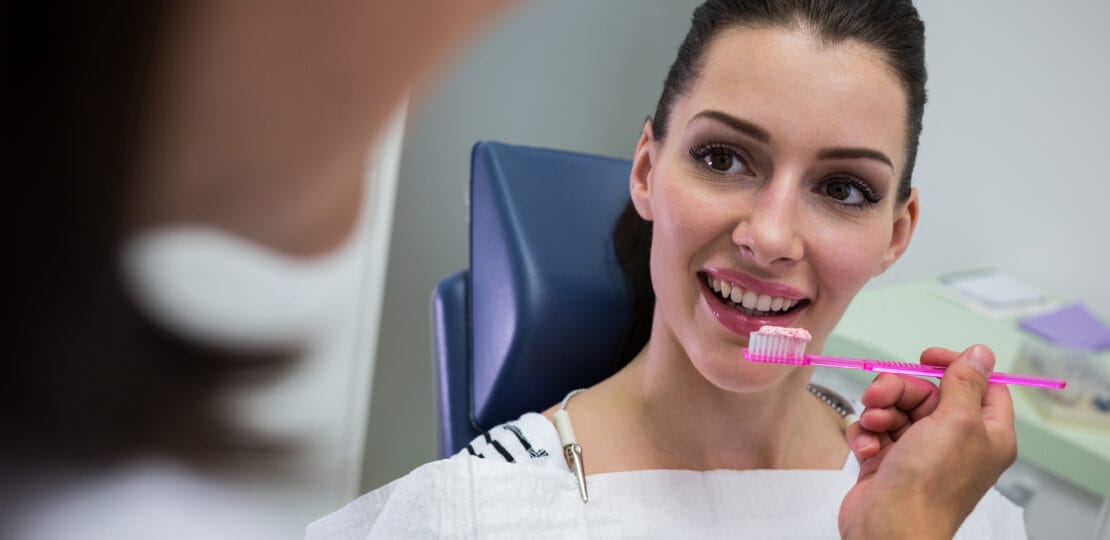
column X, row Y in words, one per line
column 778, row 345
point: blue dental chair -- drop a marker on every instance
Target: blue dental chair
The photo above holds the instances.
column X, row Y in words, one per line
column 542, row 309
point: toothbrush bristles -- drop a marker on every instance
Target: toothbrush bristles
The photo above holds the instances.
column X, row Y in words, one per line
column 776, row 349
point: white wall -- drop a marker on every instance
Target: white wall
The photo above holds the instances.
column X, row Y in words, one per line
column 1009, row 166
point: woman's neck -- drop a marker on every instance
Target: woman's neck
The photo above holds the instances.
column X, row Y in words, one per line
column 659, row 412
column 777, row 427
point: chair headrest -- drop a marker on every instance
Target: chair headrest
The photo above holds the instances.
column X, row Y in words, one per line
column 549, row 309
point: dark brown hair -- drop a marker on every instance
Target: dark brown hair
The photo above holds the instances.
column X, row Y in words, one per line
column 892, row 27
column 90, row 380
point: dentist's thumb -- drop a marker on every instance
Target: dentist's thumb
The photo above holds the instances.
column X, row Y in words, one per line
column 965, row 380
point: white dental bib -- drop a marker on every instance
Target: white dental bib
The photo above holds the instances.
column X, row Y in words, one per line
column 471, row 497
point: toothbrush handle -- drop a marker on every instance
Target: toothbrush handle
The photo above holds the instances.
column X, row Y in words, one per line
column 906, row 368
column 1027, row 380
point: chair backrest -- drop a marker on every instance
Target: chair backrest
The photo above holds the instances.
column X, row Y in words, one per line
column 543, row 308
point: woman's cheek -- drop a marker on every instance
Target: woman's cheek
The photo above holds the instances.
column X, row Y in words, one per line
column 850, row 260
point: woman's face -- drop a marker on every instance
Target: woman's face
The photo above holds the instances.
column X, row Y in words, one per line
column 776, row 186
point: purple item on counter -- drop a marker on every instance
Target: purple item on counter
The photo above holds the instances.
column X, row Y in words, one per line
column 1072, row 325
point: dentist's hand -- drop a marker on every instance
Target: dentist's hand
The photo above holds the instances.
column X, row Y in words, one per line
column 927, row 455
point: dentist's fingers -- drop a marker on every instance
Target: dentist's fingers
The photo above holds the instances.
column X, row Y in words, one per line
column 998, row 408
column 910, row 394
column 871, row 459
column 890, row 420
column 964, row 384
column 865, row 444
column 895, row 401
column 967, row 397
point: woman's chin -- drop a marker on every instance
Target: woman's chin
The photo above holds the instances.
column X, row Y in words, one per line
column 735, row 374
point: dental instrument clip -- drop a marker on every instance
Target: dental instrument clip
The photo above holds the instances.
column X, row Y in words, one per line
column 572, row 451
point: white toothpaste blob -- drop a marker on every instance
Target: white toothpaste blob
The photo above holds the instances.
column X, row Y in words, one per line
column 778, row 345
column 794, row 333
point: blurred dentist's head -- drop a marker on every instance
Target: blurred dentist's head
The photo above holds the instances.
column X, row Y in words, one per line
column 187, row 176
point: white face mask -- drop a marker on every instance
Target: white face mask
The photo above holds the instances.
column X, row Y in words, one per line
column 213, row 287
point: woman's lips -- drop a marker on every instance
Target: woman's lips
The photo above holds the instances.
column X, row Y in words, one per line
column 743, row 324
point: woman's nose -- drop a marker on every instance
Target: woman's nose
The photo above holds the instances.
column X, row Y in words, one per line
column 768, row 232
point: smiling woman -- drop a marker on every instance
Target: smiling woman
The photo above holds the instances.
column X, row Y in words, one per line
column 771, row 185
column 778, row 178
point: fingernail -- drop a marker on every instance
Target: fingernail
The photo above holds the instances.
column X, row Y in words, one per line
column 980, row 358
column 860, row 442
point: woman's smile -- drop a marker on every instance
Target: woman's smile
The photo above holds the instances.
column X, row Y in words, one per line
column 743, row 304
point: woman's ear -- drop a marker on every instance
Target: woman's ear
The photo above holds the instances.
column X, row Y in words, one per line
column 905, row 220
column 643, row 166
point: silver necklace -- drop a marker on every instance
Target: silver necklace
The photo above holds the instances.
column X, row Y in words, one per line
column 834, row 401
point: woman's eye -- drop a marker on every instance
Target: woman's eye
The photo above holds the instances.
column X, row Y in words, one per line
column 848, row 192
column 723, row 161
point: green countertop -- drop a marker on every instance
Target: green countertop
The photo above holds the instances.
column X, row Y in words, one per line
column 898, row 322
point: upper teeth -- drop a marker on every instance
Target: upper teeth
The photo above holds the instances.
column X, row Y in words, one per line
column 749, row 299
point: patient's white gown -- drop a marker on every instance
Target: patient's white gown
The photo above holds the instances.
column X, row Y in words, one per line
column 480, row 493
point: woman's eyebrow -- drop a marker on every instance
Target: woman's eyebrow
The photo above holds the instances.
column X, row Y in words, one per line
column 762, row 135
column 743, row 126
column 854, row 153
